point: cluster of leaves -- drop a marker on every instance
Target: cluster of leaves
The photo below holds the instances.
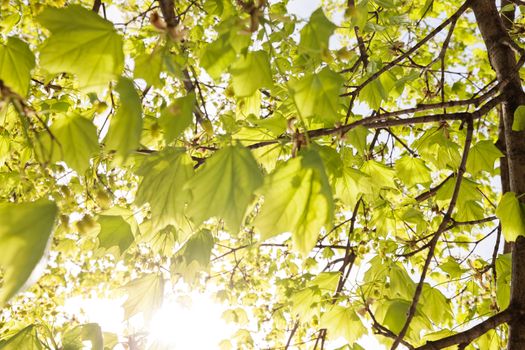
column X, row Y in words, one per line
column 275, row 159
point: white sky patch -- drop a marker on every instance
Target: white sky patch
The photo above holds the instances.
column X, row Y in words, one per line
column 303, row 8
column 108, row 313
column 197, row 325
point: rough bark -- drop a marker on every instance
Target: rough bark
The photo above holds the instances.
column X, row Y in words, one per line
column 502, row 58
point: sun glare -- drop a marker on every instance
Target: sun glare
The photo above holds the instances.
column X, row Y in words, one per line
column 195, row 323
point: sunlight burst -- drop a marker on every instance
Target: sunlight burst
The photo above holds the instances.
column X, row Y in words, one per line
column 197, row 325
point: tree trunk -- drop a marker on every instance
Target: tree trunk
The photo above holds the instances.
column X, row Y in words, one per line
column 503, row 61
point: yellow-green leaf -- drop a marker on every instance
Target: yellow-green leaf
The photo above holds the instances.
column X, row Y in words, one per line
column 316, row 33
column 412, row 171
column 77, row 141
column 224, row 186
column 162, row 186
column 250, row 73
column 482, row 157
column 343, row 322
column 175, row 118
column 318, row 95
column 518, row 123
column 26, row 339
column 510, row 212
column 194, row 256
column 16, row 63
column 75, row 338
column 297, row 199
column 81, row 43
column 126, row 125
column 24, row 235
column 114, row 231
column 145, row 295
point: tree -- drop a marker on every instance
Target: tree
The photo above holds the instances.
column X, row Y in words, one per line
column 360, row 171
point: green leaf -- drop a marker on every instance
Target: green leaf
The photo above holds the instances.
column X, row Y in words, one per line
column 114, row 231
column 297, row 199
column 305, row 303
column 162, row 186
column 396, row 314
column 81, row 43
column 357, row 138
column 150, row 66
column 175, row 118
column 126, row 125
column 77, row 141
column 343, row 322
column 218, row 56
column 435, row 305
column 16, row 63
column 518, row 123
column 74, row 338
column 24, row 235
column 504, row 278
column 482, row 157
column 224, row 186
column 349, row 185
column 380, row 175
column 401, row 285
column 452, row 267
column 469, row 211
column 26, row 339
column 412, row 171
column 326, row 281
column 378, row 90
column 511, row 216
column 194, row 256
column 318, row 95
column 250, row 73
column 316, row 33
column 145, row 295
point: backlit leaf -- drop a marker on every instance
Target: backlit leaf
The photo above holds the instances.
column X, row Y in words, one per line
column 24, row 235
column 145, row 295
column 343, row 322
column 81, row 43
column 504, row 278
column 297, row 199
column 77, row 141
column 126, row 125
column 16, row 63
column 482, row 157
column 224, row 186
column 26, row 339
column 318, row 95
column 194, row 256
column 218, row 56
column 114, row 231
column 316, row 33
column 166, row 172
column 511, row 216
column 326, row 281
column 435, row 305
column 251, row 72
column 412, row 171
column 518, row 123
column 175, row 118
column 91, row 332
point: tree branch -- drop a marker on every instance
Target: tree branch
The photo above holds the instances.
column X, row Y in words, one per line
column 433, row 243
column 167, row 7
column 414, row 48
column 466, row 337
